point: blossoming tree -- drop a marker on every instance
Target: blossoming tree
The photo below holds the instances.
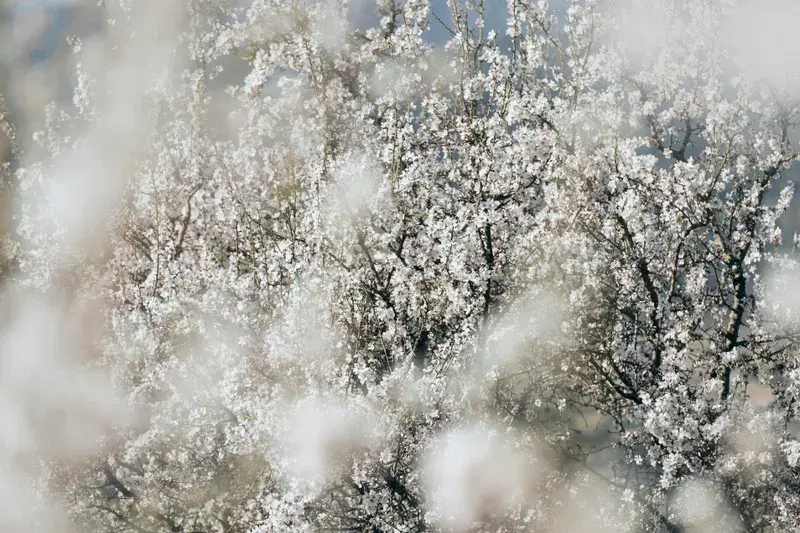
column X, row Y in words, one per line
column 352, row 280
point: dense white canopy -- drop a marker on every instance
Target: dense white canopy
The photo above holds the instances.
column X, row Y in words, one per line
column 272, row 270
